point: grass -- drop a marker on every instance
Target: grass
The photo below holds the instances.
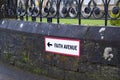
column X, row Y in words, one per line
column 90, row 22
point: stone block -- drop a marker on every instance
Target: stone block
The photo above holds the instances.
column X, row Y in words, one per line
column 56, row 73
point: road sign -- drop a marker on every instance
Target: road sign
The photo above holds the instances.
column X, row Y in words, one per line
column 63, row 46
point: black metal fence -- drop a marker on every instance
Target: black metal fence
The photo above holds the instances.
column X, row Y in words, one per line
column 93, row 9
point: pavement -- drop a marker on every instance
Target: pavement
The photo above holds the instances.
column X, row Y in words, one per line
column 8, row 72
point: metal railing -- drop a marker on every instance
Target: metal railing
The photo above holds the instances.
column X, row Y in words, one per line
column 62, row 9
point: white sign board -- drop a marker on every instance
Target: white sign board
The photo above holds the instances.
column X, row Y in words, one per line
column 63, row 46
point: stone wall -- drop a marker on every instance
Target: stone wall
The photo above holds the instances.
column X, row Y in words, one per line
column 22, row 45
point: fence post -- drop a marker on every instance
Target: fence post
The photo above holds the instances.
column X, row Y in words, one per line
column 58, row 8
column 40, row 7
column 106, row 3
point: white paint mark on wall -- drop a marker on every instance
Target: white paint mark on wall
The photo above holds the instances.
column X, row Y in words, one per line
column 102, row 29
column 107, row 54
column 21, row 25
column 102, row 37
column 101, row 32
column 3, row 22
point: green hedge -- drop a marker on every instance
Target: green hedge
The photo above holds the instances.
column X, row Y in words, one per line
column 115, row 21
